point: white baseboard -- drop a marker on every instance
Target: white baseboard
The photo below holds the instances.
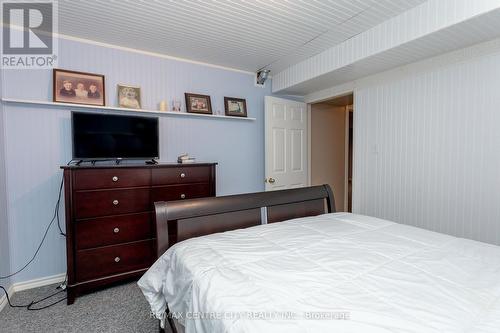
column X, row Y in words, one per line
column 35, row 283
column 3, row 299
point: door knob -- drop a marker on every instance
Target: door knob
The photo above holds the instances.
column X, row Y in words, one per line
column 271, row 180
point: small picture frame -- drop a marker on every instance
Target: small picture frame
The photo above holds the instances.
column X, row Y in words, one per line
column 235, row 107
column 78, row 87
column 196, row 103
column 129, row 96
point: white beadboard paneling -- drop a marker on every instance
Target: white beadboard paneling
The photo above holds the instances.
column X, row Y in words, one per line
column 465, row 54
column 427, row 147
column 432, row 28
column 246, row 35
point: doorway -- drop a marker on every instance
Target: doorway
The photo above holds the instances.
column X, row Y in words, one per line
column 331, row 142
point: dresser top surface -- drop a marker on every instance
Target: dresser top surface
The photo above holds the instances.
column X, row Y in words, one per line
column 131, row 165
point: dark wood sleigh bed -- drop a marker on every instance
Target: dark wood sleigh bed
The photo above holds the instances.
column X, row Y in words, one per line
column 180, row 220
column 387, row 275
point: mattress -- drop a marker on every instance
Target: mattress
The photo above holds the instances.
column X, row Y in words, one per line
column 336, row 272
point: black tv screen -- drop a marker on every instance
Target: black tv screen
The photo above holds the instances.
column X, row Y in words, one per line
column 105, row 136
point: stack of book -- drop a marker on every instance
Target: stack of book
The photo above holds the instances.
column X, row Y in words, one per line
column 185, row 159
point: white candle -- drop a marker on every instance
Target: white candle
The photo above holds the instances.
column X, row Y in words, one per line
column 163, row 106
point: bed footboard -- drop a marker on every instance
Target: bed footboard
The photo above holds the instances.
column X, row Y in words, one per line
column 180, row 220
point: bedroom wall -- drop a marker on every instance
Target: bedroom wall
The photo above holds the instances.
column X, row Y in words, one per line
column 427, row 144
column 37, row 138
column 4, row 227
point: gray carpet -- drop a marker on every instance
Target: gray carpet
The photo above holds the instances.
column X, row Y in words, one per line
column 117, row 309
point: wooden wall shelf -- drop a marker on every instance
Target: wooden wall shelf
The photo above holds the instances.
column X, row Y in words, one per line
column 92, row 108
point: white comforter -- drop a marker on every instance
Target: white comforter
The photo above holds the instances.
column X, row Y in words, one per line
column 331, row 273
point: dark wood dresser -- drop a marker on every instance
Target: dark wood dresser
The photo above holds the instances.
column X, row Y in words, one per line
column 109, row 217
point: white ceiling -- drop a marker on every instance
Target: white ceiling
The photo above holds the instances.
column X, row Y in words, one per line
column 478, row 29
column 246, row 35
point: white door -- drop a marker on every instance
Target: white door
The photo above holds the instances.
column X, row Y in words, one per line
column 286, row 144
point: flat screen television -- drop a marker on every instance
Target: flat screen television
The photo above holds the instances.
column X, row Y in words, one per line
column 106, row 136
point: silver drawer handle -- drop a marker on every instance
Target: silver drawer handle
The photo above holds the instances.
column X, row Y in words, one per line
column 117, row 259
column 116, row 230
column 115, row 202
column 115, row 178
column 183, row 196
column 183, row 175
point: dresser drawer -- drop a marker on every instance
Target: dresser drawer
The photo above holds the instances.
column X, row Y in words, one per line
column 109, row 260
column 111, row 178
column 178, row 175
column 113, row 230
column 111, row 202
column 179, row 192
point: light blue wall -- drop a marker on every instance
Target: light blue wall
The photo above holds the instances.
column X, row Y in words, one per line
column 38, row 138
column 4, row 226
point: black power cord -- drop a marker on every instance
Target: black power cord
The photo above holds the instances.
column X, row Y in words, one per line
column 58, row 204
column 54, row 218
column 33, row 303
column 8, row 300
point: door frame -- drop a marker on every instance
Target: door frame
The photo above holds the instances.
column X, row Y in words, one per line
column 346, row 156
column 309, row 143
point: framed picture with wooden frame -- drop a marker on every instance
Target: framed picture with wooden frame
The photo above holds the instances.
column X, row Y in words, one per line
column 78, row 87
column 235, row 107
column 196, row 103
column 129, row 96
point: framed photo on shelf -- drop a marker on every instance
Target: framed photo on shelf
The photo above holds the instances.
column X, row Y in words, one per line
column 196, row 103
column 78, row 87
column 129, row 96
column 235, row 107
